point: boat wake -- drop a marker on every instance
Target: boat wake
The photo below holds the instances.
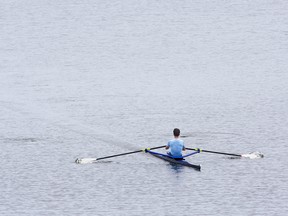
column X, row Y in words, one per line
column 253, row 155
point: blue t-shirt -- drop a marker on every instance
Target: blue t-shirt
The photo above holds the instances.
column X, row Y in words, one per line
column 175, row 147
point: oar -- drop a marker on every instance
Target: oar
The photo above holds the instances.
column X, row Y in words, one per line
column 127, row 153
column 214, row 152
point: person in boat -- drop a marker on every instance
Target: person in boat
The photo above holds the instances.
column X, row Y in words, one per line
column 176, row 145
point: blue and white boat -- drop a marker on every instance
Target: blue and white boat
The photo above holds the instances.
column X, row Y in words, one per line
column 177, row 161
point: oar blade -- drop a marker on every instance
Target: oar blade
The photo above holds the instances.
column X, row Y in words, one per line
column 253, row 155
column 85, row 160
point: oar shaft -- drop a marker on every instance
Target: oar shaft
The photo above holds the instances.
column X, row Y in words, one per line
column 127, row 153
column 215, row 152
column 118, row 155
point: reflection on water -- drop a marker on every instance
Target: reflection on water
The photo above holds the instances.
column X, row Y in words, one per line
column 176, row 167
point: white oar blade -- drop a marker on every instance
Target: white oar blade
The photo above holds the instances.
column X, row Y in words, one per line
column 253, row 155
column 85, row 160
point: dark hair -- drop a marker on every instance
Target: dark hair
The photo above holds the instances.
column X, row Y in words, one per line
column 176, row 132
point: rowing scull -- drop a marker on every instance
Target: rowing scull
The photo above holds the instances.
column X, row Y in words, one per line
column 174, row 161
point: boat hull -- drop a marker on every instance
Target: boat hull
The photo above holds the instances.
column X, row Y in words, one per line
column 179, row 162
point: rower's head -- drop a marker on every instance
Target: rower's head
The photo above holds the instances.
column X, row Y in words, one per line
column 176, row 132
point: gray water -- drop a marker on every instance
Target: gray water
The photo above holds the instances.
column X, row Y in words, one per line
column 94, row 78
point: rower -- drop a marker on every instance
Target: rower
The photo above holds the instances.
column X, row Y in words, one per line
column 175, row 146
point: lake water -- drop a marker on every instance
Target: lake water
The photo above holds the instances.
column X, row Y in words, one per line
column 82, row 79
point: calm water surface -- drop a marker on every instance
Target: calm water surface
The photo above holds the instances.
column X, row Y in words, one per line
column 95, row 78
